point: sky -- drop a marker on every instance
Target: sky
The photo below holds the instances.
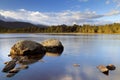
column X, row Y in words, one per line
column 57, row 12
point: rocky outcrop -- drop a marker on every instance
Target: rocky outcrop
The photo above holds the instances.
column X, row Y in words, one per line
column 26, row 47
column 53, row 45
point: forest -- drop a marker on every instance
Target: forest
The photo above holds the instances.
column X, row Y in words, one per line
column 86, row 28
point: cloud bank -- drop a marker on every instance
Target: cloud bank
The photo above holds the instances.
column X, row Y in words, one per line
column 56, row 18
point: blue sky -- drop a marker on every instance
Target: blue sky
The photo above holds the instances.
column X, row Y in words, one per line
column 54, row 12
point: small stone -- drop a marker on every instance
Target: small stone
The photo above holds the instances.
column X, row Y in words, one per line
column 14, row 70
column 111, row 67
column 76, row 65
column 24, row 66
column 10, row 74
column 41, row 61
column 103, row 69
column 9, row 66
column 6, row 62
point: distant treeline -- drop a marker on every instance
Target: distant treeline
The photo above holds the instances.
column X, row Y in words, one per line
column 108, row 28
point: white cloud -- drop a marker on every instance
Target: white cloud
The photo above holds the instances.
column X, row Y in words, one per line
column 52, row 18
column 113, row 12
column 4, row 18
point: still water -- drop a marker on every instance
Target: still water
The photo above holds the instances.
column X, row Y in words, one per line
column 88, row 51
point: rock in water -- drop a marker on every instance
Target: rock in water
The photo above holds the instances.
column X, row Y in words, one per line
column 15, row 70
column 9, row 66
column 10, row 74
column 53, row 45
column 111, row 67
column 103, row 69
column 76, row 65
column 23, row 66
column 26, row 47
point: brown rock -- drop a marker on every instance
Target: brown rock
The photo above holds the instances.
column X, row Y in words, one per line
column 15, row 70
column 76, row 65
column 53, row 45
column 103, row 69
column 24, row 67
column 10, row 65
column 111, row 67
column 26, row 47
column 10, row 74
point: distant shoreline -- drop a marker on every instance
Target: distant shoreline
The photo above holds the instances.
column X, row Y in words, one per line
column 62, row 33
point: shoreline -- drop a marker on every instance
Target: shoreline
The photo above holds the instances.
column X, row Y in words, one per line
column 62, row 33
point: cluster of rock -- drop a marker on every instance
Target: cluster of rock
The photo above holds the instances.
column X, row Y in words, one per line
column 26, row 47
column 26, row 52
column 14, row 71
column 106, row 69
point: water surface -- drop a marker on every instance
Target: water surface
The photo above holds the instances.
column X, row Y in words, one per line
column 88, row 51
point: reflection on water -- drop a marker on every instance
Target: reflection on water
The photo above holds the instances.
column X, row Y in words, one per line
column 52, row 54
column 87, row 50
column 56, row 51
column 23, row 62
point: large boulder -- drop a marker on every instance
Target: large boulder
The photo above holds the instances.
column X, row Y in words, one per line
column 53, row 45
column 26, row 47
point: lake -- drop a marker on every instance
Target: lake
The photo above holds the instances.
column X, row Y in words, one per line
column 88, row 51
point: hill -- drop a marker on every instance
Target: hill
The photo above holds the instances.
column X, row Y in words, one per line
column 16, row 24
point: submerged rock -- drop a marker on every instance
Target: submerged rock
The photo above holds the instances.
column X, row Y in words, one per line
column 10, row 74
column 111, row 67
column 15, row 70
column 26, row 47
column 10, row 65
column 24, row 67
column 6, row 62
column 76, row 65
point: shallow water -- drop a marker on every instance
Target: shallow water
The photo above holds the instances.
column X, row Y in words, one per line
column 88, row 51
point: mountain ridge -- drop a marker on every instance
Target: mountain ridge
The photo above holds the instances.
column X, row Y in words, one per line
column 18, row 24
